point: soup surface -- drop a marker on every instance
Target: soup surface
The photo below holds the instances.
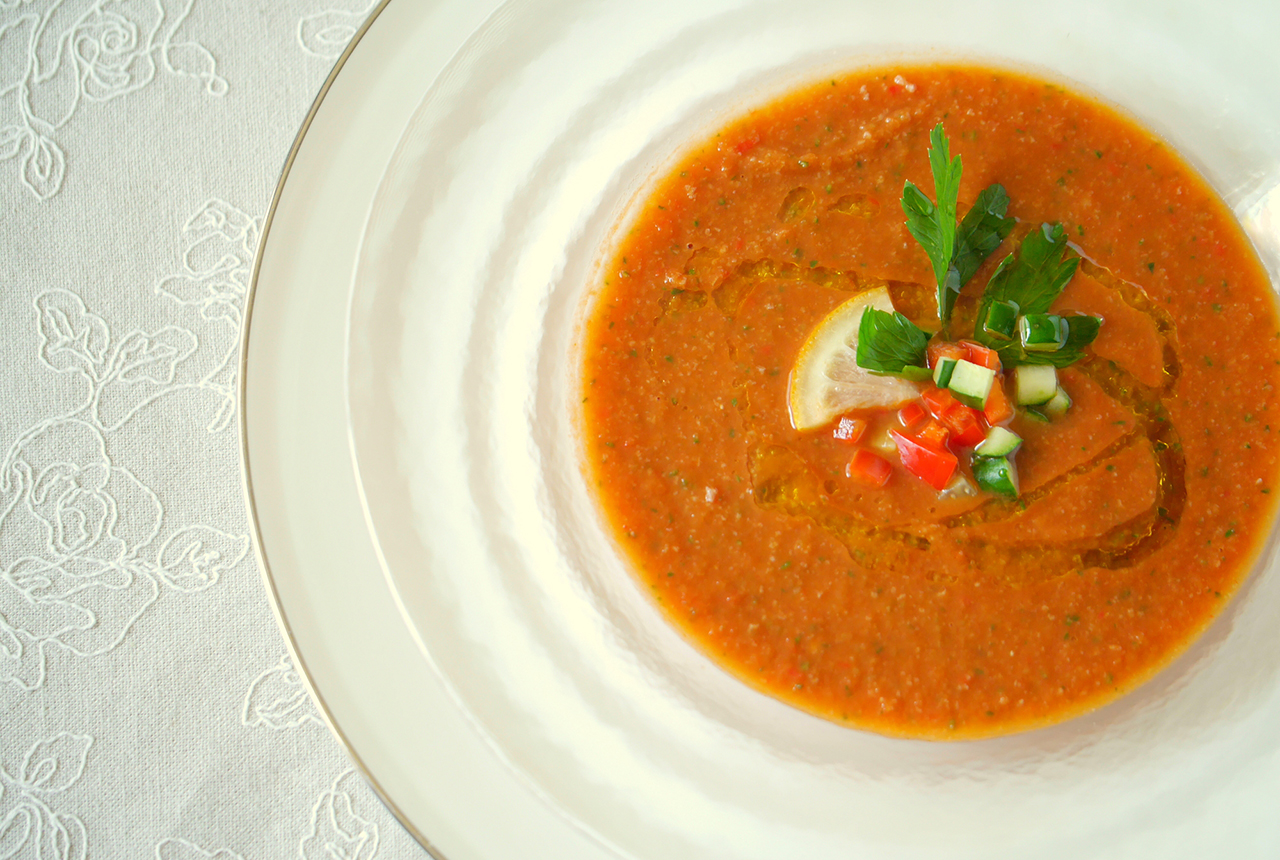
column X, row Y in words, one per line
column 897, row 607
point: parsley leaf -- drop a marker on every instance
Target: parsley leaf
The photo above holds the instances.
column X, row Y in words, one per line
column 983, row 229
column 1082, row 329
column 1036, row 277
column 889, row 342
column 955, row 253
column 934, row 226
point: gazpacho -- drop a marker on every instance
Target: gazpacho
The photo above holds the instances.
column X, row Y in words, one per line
column 938, row 401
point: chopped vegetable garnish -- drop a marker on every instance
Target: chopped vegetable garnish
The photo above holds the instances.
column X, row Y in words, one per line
column 933, row 434
column 940, row 349
column 1013, row 329
column 911, row 415
column 966, row 424
column 979, row 354
column 971, row 383
column 942, row 371
column 1034, row 384
column 869, row 468
column 937, row 400
column 996, row 475
column 1058, row 404
column 998, row 408
column 1000, row 442
column 932, row 465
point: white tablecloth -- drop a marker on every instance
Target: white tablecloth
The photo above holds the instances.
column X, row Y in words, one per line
column 147, row 708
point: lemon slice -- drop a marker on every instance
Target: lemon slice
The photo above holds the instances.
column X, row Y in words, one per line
column 827, row 382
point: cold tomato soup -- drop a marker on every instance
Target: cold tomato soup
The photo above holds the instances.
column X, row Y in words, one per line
column 1052, row 481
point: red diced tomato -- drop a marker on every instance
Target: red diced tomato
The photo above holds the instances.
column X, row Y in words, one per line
column 966, row 425
column 869, row 468
column 998, row 408
column 945, row 349
column 938, row 400
column 980, row 355
column 934, row 435
column 933, row 466
column 912, row 414
column 849, row 429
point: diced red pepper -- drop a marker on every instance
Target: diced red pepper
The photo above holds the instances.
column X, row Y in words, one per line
column 945, row 349
column 934, row 435
column 998, row 409
column 933, row 466
column 912, row 414
column 966, row 425
column 869, row 468
column 849, row 430
column 938, row 400
column 980, row 355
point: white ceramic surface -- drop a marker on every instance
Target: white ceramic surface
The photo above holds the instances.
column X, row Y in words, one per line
column 531, row 701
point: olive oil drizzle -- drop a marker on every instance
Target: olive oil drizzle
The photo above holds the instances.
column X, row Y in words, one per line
column 782, row 481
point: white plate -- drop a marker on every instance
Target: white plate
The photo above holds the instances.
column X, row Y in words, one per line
column 425, row 531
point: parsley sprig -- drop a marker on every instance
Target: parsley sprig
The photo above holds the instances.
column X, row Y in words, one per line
column 956, row 254
column 1027, row 282
column 934, row 224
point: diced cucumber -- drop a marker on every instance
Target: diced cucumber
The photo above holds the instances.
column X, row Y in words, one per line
column 1002, row 320
column 999, row 443
column 971, row 383
column 1042, row 332
column 942, row 371
column 996, row 475
column 1034, row 384
column 959, row 488
column 1035, row 415
column 1058, row 404
column 915, row 373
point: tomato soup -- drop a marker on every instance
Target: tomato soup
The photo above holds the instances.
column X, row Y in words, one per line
column 899, row 607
